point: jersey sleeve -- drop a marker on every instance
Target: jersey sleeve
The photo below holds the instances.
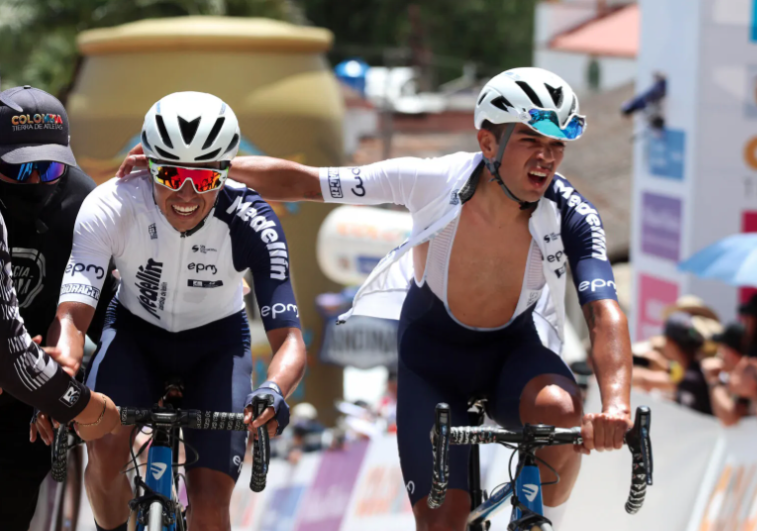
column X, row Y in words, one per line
column 408, row 181
column 258, row 243
column 95, row 242
column 26, row 371
column 583, row 236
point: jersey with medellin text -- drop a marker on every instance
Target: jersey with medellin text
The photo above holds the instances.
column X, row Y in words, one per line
column 40, row 222
column 175, row 280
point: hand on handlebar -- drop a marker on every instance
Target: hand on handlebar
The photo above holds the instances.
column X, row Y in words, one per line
column 267, row 417
column 604, row 431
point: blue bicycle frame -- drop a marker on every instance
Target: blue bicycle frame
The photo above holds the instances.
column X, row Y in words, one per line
column 160, row 475
column 528, row 489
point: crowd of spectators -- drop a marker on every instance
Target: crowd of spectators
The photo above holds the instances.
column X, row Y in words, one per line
column 701, row 363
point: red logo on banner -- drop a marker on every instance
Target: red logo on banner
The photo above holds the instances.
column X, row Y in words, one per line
column 748, row 224
column 654, row 296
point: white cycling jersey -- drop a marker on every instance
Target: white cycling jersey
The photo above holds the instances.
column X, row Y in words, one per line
column 175, row 280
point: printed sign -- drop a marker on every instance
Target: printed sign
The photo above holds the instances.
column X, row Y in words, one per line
column 327, row 499
column 654, row 296
column 748, row 224
column 661, row 226
column 667, row 150
column 361, row 342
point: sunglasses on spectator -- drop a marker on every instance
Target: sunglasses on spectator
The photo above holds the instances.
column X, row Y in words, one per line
column 48, row 171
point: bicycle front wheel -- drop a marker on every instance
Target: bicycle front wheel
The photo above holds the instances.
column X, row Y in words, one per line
column 155, row 522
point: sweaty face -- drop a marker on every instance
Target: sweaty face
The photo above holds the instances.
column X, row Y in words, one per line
column 530, row 162
column 184, row 208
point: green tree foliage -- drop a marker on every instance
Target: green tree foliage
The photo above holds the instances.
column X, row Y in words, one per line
column 38, row 37
column 494, row 34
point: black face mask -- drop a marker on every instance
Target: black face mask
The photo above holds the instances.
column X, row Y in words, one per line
column 24, row 202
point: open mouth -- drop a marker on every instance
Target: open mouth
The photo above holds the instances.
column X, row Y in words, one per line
column 537, row 178
column 185, row 211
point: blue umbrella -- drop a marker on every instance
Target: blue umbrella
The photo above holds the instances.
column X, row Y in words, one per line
column 732, row 260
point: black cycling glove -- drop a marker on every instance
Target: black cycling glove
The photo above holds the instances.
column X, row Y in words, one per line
column 280, row 407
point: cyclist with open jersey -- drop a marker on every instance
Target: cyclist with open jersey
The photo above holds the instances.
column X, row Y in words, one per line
column 480, row 298
column 181, row 237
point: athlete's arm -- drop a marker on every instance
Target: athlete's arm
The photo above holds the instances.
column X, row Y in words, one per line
column 277, row 179
column 259, row 243
column 95, row 232
column 67, row 332
column 584, row 239
column 612, row 362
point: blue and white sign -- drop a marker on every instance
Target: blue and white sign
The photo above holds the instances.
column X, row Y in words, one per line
column 667, row 150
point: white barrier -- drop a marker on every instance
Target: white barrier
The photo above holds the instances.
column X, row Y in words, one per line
column 705, row 479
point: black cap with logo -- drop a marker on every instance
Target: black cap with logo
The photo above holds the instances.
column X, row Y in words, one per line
column 38, row 132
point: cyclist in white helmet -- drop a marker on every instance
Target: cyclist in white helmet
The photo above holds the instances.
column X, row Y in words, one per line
column 480, row 298
column 182, row 237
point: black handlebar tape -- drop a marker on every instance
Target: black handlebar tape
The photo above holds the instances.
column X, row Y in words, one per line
column 640, row 445
column 262, row 447
column 440, row 436
column 59, row 465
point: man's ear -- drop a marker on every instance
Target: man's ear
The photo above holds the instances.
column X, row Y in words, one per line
column 488, row 143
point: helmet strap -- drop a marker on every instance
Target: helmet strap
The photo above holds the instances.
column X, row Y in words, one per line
column 494, row 165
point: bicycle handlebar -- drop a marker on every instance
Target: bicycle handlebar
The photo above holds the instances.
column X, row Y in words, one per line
column 534, row 437
column 211, row 420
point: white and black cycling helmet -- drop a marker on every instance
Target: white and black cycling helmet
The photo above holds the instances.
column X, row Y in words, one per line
column 532, row 96
column 518, row 96
column 190, row 127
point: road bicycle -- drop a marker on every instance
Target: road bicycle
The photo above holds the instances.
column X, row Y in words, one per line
column 156, row 503
column 525, row 488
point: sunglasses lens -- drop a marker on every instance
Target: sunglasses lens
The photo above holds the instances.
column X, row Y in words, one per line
column 50, row 171
column 47, row 171
column 546, row 123
column 174, row 177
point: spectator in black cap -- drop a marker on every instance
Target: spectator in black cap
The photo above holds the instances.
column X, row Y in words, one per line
column 684, row 378
column 717, row 370
column 41, row 190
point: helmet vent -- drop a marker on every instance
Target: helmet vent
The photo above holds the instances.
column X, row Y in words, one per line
column 530, row 93
column 233, row 144
column 165, row 154
column 214, row 133
column 556, row 93
column 574, row 106
column 484, row 95
column 502, row 103
column 163, row 132
column 209, row 156
column 145, row 143
column 188, row 129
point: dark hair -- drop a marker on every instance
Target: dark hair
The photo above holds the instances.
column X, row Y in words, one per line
column 496, row 129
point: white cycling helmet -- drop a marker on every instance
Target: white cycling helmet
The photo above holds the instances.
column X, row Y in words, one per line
column 532, row 96
column 190, row 127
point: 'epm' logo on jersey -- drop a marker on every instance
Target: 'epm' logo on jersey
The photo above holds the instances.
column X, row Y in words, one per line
column 335, row 184
column 265, row 228
column 152, row 294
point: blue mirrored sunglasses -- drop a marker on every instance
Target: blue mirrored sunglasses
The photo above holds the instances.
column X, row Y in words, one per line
column 547, row 123
column 48, row 171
